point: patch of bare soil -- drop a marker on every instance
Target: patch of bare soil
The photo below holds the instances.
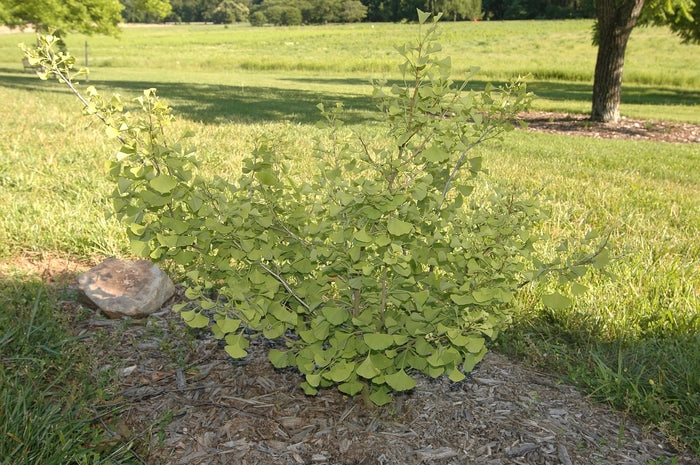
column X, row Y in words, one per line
column 53, row 269
column 183, row 400
column 626, row 128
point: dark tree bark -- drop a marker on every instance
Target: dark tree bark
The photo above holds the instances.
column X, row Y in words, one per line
column 616, row 19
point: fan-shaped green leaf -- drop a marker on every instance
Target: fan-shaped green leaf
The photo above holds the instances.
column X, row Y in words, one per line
column 455, row 375
column 341, row 371
column 308, row 389
column 362, row 236
column 335, row 315
column 378, row 341
column 351, row 388
column 367, row 369
column 266, row 178
column 397, row 227
column 556, row 301
column 314, row 379
column 163, row 183
column 278, row 358
column 462, row 299
column 400, row 381
column 228, row 325
column 194, row 319
column 380, row 396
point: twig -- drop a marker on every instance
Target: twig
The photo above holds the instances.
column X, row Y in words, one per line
column 75, row 91
column 459, row 163
column 286, row 286
column 584, row 261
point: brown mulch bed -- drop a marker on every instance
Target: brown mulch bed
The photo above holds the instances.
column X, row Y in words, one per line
column 626, row 128
column 183, row 400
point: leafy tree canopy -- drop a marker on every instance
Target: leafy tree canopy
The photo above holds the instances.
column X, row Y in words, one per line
column 290, row 12
column 230, row 11
column 86, row 16
column 682, row 16
column 145, row 11
column 538, row 9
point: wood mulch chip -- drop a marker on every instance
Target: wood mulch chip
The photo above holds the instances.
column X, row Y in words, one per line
column 182, row 400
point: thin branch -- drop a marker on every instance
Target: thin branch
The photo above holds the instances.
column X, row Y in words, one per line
column 286, row 285
column 366, row 150
column 459, row 163
column 385, row 291
column 279, row 220
column 75, row 91
column 587, row 260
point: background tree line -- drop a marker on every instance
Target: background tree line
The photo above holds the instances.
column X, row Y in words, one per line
column 290, row 12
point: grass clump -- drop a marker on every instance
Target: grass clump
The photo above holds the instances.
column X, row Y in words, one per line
column 46, row 389
column 652, row 379
column 632, row 339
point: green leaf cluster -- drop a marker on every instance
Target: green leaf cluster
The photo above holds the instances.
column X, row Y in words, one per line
column 87, row 17
column 381, row 263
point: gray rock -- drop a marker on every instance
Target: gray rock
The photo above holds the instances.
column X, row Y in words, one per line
column 126, row 289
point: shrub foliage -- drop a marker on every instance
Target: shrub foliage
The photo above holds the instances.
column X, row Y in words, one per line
column 381, row 263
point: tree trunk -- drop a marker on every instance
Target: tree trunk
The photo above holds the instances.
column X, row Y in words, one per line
column 616, row 19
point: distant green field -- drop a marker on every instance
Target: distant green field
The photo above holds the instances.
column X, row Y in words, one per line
column 632, row 341
column 662, row 79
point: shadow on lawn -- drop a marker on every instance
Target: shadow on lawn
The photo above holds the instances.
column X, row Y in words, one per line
column 216, row 104
column 560, row 90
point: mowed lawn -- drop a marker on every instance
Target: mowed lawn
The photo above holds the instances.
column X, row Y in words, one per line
column 632, row 340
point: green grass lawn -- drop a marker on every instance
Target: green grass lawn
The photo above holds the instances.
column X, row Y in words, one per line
column 632, row 340
column 661, row 77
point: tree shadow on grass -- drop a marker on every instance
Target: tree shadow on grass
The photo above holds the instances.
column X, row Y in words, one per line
column 215, row 104
column 560, row 90
column 631, row 94
column 219, row 103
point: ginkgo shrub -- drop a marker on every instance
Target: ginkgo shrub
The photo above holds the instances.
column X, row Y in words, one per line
column 382, row 263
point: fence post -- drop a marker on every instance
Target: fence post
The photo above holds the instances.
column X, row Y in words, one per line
column 87, row 76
